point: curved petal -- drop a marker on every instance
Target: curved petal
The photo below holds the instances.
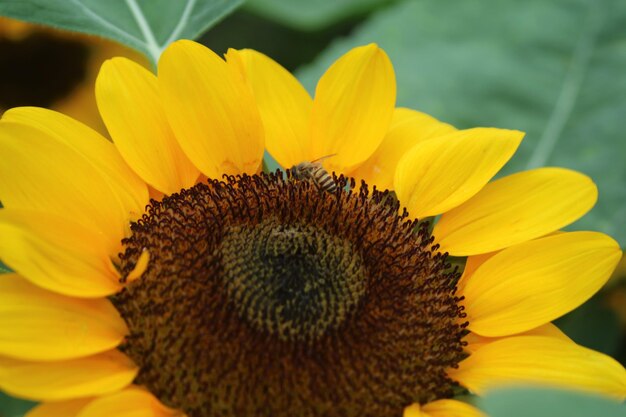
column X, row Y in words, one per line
column 540, row 360
column 473, row 262
column 140, row 266
column 57, row 254
column 129, row 102
column 515, row 209
column 54, row 381
column 41, row 173
column 443, row 408
column 284, row 105
column 99, row 151
column 533, row 283
column 471, row 265
column 475, row 341
column 408, row 128
column 69, row 408
column 352, row 109
column 211, row 110
column 131, row 402
column 38, row 325
column 439, row 174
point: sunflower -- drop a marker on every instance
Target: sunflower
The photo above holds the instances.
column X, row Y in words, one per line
column 71, row 61
column 164, row 274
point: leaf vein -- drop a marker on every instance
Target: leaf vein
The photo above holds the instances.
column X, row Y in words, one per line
column 184, row 18
column 103, row 22
column 151, row 44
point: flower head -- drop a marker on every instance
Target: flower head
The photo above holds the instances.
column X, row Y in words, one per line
column 71, row 63
column 236, row 292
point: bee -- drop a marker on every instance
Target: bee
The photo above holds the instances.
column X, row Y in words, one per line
column 315, row 172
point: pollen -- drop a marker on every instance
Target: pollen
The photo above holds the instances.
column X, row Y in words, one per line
column 266, row 296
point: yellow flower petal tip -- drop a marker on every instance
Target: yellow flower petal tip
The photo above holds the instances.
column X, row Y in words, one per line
column 347, row 120
column 131, row 402
column 353, row 106
column 40, row 325
column 475, row 341
column 57, row 254
column 142, row 132
column 440, row 174
column 74, row 184
column 70, row 408
column 64, row 380
column 533, row 283
column 284, row 105
column 548, row 361
column 100, row 152
column 443, row 408
column 211, row 110
column 515, row 209
column 140, row 267
column 408, row 128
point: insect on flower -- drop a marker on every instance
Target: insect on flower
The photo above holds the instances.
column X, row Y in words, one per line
column 316, row 173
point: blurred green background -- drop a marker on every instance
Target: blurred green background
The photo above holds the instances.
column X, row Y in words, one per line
column 555, row 69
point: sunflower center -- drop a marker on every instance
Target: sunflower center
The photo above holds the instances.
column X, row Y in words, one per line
column 266, row 296
column 293, row 281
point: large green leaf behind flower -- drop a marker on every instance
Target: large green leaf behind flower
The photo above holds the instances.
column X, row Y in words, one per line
column 555, row 69
column 146, row 25
column 311, row 14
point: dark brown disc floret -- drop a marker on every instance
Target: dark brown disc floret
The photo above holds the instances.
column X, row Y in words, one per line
column 266, row 296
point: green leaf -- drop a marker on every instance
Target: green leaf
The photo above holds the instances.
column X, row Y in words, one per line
column 12, row 407
column 146, row 25
column 269, row 163
column 554, row 69
column 525, row 402
column 312, row 14
column 4, row 269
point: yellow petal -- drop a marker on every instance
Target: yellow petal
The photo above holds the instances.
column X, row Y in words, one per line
column 57, row 253
column 533, row 283
column 53, row 381
column 439, row 174
column 140, row 266
column 131, row 402
column 129, row 102
column 443, row 408
column 414, row 410
column 211, row 110
column 447, row 408
column 475, row 341
column 69, row 408
column 408, row 128
column 285, row 106
column 515, row 209
column 548, row 361
column 42, row 174
column 38, row 325
column 473, row 262
column 100, row 152
column 549, row 330
column 471, row 265
column 353, row 105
